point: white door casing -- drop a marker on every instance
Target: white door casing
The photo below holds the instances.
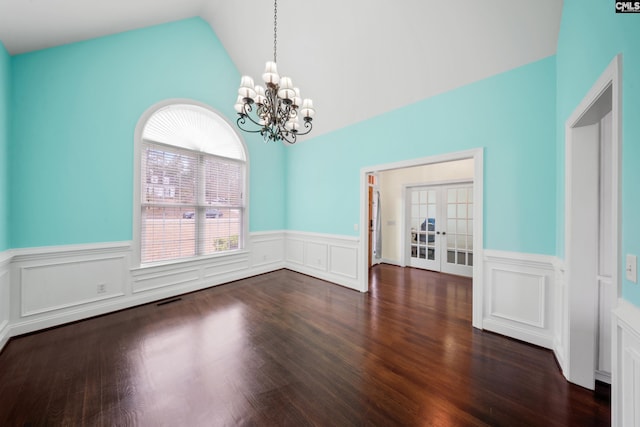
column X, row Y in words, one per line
column 582, row 169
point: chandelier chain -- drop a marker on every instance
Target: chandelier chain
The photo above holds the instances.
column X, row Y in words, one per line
column 275, row 30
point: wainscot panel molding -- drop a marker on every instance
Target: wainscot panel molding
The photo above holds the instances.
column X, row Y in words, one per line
column 625, row 365
column 191, row 275
column 55, row 285
column 49, row 287
column 267, row 250
column 45, row 287
column 325, row 256
column 519, row 296
column 264, row 253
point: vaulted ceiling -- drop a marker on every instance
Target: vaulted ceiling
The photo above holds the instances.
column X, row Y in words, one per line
column 355, row 58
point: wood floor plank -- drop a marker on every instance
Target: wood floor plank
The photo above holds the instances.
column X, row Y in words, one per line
column 289, row 350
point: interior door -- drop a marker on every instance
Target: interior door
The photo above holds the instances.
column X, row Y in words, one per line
column 440, row 231
column 457, row 256
column 423, row 211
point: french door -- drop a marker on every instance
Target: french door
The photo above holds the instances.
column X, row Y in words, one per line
column 440, row 228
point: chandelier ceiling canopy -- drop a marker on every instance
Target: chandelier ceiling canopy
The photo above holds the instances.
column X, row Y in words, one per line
column 275, row 109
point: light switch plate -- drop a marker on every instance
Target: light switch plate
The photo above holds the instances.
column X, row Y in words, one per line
column 632, row 268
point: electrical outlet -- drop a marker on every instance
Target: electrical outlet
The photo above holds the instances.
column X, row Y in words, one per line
column 102, row 288
column 632, row 268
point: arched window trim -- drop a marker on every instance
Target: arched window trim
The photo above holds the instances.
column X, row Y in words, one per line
column 139, row 141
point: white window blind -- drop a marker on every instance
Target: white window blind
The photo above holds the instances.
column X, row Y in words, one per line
column 192, row 173
column 191, row 203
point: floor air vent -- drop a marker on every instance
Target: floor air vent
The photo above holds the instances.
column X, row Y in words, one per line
column 169, row 301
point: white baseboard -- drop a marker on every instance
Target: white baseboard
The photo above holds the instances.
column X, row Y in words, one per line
column 604, row 377
column 559, row 353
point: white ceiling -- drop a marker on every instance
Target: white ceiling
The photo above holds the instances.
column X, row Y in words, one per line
column 356, row 58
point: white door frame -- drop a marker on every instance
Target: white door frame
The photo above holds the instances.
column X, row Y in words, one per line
column 580, row 309
column 478, row 187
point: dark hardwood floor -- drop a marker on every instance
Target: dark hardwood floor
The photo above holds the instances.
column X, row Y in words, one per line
column 287, row 349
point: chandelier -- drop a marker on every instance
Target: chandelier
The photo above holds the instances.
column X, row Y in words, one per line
column 273, row 110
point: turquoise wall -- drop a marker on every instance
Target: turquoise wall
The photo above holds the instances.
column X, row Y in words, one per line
column 75, row 108
column 5, row 84
column 591, row 35
column 511, row 115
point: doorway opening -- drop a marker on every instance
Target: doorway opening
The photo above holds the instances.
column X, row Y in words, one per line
column 399, row 222
column 592, row 231
column 374, row 251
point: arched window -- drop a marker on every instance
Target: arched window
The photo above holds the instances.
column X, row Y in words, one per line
column 192, row 178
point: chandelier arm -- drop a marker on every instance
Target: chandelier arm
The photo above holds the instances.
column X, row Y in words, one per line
column 241, row 122
column 308, row 126
column 285, row 137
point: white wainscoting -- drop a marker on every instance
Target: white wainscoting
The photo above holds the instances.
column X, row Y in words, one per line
column 267, row 251
column 626, row 365
column 561, row 327
column 328, row 257
column 519, row 292
column 5, row 297
column 55, row 285
column 45, row 287
column 606, row 301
